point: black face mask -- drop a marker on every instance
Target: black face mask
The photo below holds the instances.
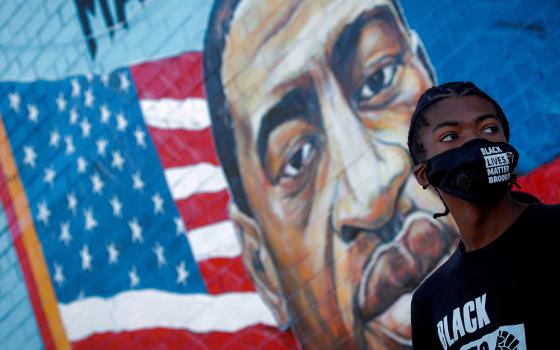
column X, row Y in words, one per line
column 480, row 171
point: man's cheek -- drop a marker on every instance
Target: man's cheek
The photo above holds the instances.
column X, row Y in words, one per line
column 310, row 209
column 351, row 259
column 349, row 262
column 392, row 126
column 296, row 210
column 348, row 266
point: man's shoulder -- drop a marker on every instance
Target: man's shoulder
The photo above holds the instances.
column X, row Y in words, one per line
column 547, row 208
column 543, row 214
column 436, row 280
column 540, row 230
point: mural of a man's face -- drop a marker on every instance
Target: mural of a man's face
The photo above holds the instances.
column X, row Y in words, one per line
column 320, row 94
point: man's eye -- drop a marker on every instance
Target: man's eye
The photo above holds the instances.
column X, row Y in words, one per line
column 449, row 137
column 298, row 161
column 379, row 80
column 492, row 129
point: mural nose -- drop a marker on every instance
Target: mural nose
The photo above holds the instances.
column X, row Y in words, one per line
column 367, row 193
column 349, row 233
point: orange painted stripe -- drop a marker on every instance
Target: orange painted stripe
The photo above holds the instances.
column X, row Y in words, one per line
column 31, row 256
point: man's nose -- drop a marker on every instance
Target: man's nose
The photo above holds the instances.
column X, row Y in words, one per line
column 367, row 173
column 468, row 135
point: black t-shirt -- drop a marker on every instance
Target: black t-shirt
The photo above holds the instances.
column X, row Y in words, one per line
column 502, row 296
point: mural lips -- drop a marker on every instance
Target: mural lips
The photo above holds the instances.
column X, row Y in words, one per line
column 399, row 266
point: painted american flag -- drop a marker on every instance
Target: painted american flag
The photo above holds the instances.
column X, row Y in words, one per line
column 129, row 205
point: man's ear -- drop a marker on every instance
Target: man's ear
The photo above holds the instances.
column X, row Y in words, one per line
column 259, row 264
column 419, row 172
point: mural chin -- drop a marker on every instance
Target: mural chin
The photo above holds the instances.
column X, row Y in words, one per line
column 395, row 270
column 392, row 328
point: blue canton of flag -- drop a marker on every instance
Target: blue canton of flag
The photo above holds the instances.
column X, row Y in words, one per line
column 98, row 196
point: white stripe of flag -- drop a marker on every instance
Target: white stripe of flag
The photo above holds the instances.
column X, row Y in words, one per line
column 214, row 241
column 200, row 178
column 128, row 311
column 168, row 113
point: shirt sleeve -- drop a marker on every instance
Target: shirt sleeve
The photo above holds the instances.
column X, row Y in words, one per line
column 423, row 336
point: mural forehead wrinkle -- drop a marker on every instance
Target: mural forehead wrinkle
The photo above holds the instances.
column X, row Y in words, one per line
column 238, row 50
column 311, row 33
column 269, row 77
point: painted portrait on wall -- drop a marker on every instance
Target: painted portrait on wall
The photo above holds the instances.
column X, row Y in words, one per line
column 310, row 109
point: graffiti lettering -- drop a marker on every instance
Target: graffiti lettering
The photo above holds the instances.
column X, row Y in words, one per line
column 87, row 8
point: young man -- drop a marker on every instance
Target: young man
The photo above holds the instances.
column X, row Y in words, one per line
column 486, row 295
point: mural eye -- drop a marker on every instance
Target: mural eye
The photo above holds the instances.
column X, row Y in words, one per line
column 299, row 160
column 378, row 81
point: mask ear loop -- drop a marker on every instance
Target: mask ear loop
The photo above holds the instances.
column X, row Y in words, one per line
column 446, row 212
column 514, row 182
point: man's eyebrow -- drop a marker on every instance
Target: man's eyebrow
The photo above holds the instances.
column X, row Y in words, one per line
column 486, row 116
column 444, row 124
column 296, row 104
column 456, row 123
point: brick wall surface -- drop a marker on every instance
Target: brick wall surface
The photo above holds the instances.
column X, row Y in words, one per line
column 18, row 328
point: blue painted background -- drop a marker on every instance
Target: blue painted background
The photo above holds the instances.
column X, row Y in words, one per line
column 508, row 48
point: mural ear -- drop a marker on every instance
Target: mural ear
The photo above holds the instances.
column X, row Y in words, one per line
column 417, row 47
column 260, row 265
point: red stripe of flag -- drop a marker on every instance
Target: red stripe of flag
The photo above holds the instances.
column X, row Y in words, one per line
column 204, row 209
column 254, row 337
column 223, row 275
column 181, row 78
column 176, row 77
column 183, row 147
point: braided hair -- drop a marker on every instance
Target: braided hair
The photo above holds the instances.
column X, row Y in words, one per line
column 434, row 95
